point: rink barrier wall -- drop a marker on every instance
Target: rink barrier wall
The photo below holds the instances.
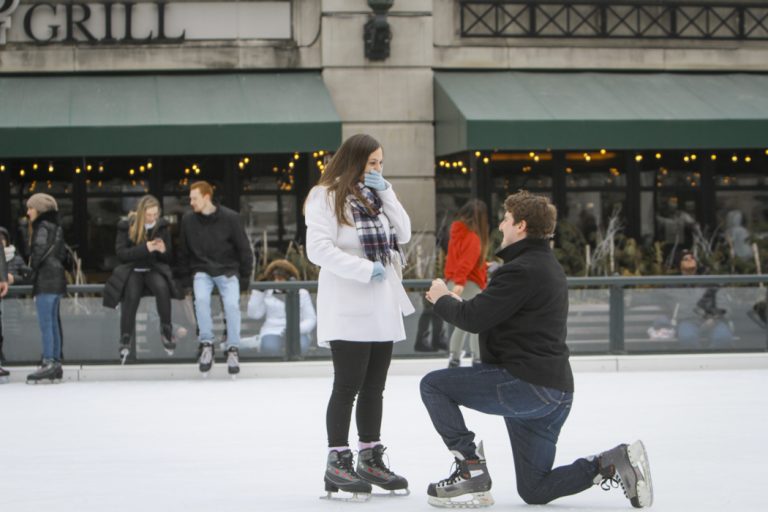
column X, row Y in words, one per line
column 406, row 367
column 609, row 316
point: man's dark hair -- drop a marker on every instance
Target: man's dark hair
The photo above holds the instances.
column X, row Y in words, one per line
column 539, row 214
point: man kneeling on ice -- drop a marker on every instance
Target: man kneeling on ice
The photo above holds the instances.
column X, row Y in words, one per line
column 524, row 376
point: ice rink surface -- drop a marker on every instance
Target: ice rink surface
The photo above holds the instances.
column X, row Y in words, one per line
column 259, row 444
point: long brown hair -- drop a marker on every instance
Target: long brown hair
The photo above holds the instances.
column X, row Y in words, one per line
column 344, row 171
column 475, row 215
column 136, row 218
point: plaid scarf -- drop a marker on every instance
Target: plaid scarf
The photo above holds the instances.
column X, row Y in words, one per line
column 370, row 230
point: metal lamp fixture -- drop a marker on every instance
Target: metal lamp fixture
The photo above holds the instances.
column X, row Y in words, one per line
column 376, row 32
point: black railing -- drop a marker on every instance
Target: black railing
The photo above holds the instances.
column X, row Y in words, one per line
column 609, row 315
column 621, row 20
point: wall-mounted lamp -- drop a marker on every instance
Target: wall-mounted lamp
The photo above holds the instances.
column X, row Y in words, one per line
column 376, row 32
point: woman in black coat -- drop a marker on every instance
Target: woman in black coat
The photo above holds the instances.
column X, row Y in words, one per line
column 143, row 246
column 47, row 252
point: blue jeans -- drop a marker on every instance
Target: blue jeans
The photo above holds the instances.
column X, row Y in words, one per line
column 274, row 344
column 533, row 414
column 693, row 334
column 47, row 305
column 229, row 289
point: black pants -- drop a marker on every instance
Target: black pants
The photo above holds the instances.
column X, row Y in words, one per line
column 360, row 369
column 134, row 287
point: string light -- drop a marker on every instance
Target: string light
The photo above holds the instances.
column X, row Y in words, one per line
column 734, row 159
column 713, row 157
column 686, row 159
column 747, row 159
column 314, row 154
column 587, row 157
column 149, row 164
column 197, row 171
column 22, row 173
column 101, row 168
column 246, row 160
column 536, row 158
column 477, row 153
column 638, row 158
column 295, row 156
column 568, row 170
column 77, row 170
column 50, row 167
column 142, row 168
column 241, row 165
column 290, row 164
column 89, row 167
column 602, row 151
column 486, row 159
column 2, row 168
column 132, row 172
column 658, row 156
column 532, row 154
column 34, row 166
column 693, row 156
column 186, row 171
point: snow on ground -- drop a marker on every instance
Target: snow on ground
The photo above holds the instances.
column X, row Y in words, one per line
column 259, row 444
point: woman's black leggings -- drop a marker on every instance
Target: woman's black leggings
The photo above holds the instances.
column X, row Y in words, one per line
column 360, row 369
column 134, row 287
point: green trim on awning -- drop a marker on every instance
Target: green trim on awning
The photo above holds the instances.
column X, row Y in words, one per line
column 534, row 111
column 190, row 114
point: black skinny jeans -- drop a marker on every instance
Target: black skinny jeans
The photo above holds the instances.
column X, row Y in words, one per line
column 134, row 287
column 360, row 369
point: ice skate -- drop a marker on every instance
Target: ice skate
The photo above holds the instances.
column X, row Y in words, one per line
column 233, row 362
column 205, row 358
column 340, row 475
column 454, row 362
column 468, row 486
column 168, row 339
column 49, row 371
column 4, row 375
column 372, row 469
column 627, row 466
column 125, row 348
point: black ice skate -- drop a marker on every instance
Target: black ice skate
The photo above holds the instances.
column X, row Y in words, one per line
column 205, row 358
column 125, row 347
column 627, row 466
column 340, row 475
column 49, row 371
column 4, row 374
column 468, row 486
column 372, row 469
column 233, row 361
column 168, row 339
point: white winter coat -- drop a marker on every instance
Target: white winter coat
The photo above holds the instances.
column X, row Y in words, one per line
column 266, row 303
column 350, row 306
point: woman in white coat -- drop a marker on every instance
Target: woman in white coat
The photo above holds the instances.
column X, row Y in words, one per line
column 355, row 224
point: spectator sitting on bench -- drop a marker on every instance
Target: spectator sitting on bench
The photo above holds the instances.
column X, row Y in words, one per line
column 700, row 322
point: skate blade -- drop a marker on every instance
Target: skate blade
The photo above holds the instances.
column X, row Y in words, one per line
column 473, row 500
column 638, row 457
column 169, row 351
column 44, row 381
column 123, row 358
column 357, row 497
column 204, row 374
column 392, row 494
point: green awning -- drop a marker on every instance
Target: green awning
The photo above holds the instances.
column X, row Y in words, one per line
column 534, row 111
column 187, row 114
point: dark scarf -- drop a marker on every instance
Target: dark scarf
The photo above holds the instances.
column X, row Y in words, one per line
column 370, row 230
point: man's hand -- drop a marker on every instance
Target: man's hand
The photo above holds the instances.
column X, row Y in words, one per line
column 437, row 290
column 3, row 288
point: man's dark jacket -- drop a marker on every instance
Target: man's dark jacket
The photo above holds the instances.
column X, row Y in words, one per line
column 133, row 256
column 215, row 244
column 47, row 253
column 521, row 315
